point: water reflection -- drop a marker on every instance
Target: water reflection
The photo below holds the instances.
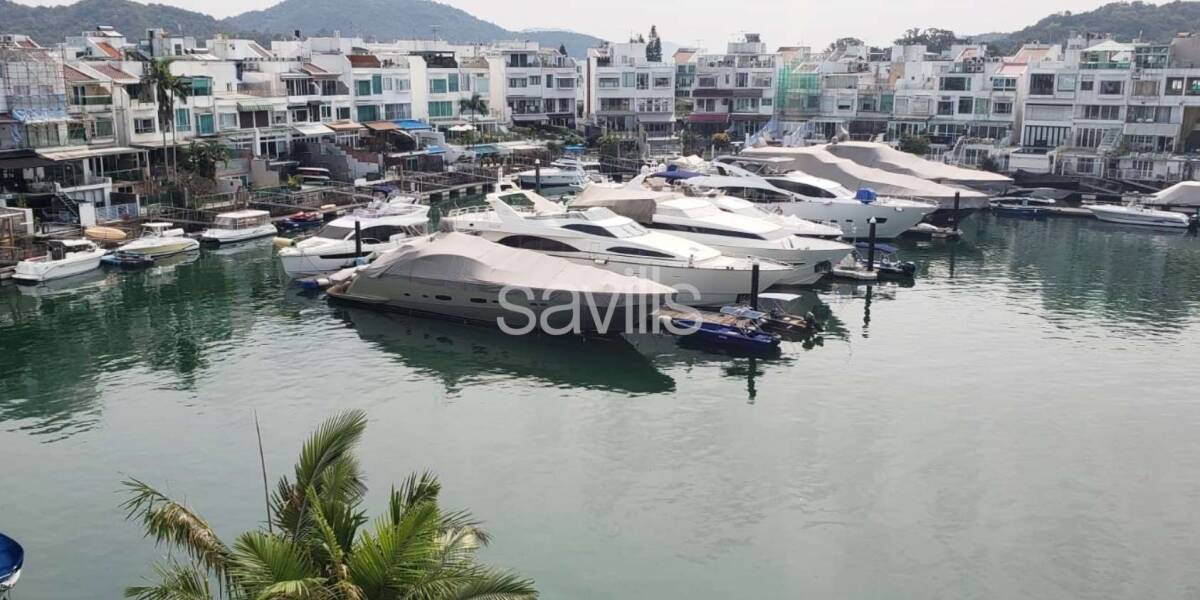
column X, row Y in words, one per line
column 461, row 354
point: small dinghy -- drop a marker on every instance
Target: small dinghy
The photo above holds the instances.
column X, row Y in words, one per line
column 728, row 337
column 302, row 220
column 12, row 557
column 887, row 261
column 773, row 321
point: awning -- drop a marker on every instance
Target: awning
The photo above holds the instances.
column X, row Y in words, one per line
column 30, row 115
column 708, row 118
column 311, row 129
column 25, row 162
column 78, row 153
column 344, row 126
column 254, row 105
column 411, row 124
column 485, row 150
column 434, row 150
column 381, row 125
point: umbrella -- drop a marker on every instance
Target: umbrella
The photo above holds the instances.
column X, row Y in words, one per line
column 463, row 127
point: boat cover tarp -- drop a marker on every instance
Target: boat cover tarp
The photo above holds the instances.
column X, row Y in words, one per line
column 882, row 156
column 1185, row 193
column 458, row 257
column 632, row 202
column 819, row 162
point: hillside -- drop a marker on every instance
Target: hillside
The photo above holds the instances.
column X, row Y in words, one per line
column 1125, row 20
column 379, row 19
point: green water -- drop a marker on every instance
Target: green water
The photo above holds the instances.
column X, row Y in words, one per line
column 1022, row 422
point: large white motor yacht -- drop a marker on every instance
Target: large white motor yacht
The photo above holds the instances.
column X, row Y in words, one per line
column 64, row 259
column 466, row 277
column 564, row 176
column 818, row 200
column 602, row 238
column 384, row 226
column 793, row 224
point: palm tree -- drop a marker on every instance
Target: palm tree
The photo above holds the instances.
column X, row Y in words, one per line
column 475, row 105
column 166, row 88
column 319, row 544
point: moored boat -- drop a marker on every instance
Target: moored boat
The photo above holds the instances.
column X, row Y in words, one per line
column 334, row 247
column 158, row 240
column 12, row 558
column 63, row 259
column 1136, row 214
column 239, row 226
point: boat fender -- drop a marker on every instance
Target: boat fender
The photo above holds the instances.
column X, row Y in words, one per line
column 282, row 242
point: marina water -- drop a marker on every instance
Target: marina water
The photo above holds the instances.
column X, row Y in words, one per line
column 1021, row 422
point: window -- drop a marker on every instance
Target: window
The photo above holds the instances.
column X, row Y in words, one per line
column 391, row 112
column 1004, row 84
column 388, row 84
column 628, row 79
column 441, row 109
column 1088, row 137
column 535, row 80
column 343, row 113
column 227, row 121
column 966, row 105
column 1041, row 84
column 402, row 84
column 1044, row 136
column 549, row 81
column 607, row 82
column 1112, row 88
column 706, row 82
column 1087, row 85
column 1148, row 114
column 517, row 82
column 201, row 86
column 452, row 82
column 589, row 229
column 662, row 82
column 804, row 189
column 377, row 84
column 362, row 87
column 643, row 81
column 707, row 231
column 1096, row 112
column 982, row 106
column 1066, row 83
column 1193, row 86
column 742, row 80
column 279, row 117
column 326, row 112
column 437, row 86
column 329, row 87
column 1002, row 108
column 531, row 242
column 299, row 115
column 143, row 125
column 1174, row 86
column 945, row 107
column 567, row 83
column 638, row 252
column 369, row 112
column 483, row 85
column 955, row 84
column 1145, row 87
column 183, row 119
column 204, row 124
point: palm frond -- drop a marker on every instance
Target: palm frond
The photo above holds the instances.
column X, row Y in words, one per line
column 329, row 447
column 394, row 556
column 170, row 522
column 175, row 582
column 490, row 584
column 413, row 491
column 262, row 560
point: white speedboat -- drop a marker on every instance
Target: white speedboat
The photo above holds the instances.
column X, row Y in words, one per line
column 63, row 259
column 383, row 226
column 1136, row 214
column 794, row 224
column 239, row 226
column 567, row 176
column 466, row 277
column 601, row 238
column 817, row 200
column 158, row 240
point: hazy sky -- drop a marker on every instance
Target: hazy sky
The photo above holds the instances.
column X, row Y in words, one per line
column 709, row 23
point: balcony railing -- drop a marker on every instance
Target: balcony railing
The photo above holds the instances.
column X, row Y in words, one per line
column 104, row 100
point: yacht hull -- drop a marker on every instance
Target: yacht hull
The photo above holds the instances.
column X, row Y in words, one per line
column 1129, row 216
column 162, row 249
column 33, row 272
column 232, row 236
column 697, row 286
column 853, row 218
column 323, row 260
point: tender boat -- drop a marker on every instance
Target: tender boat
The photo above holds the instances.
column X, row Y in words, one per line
column 1136, row 214
column 887, row 260
column 464, row 277
column 64, row 259
column 384, row 226
column 1030, row 207
column 239, row 226
column 697, row 219
column 12, row 558
column 301, row 220
column 158, row 240
column 601, row 238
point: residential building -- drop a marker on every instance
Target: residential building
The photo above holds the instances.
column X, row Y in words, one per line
column 734, row 92
column 627, row 95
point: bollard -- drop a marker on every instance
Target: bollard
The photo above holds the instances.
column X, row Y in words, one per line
column 871, row 246
column 357, row 239
column 954, row 215
column 754, row 286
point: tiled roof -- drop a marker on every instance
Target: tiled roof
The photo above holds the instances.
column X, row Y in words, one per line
column 108, row 49
column 364, row 61
column 115, row 74
column 73, row 75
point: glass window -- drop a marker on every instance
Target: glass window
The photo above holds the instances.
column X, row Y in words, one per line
column 103, row 127
column 589, row 229
column 955, row 84
column 1066, row 83
column 628, row 79
column 530, row 242
column 391, row 112
column 452, row 82
column 183, row 119
column 1087, row 85
column 201, row 86
column 517, row 82
column 483, row 85
column 441, row 109
column 228, row 121
column 1112, row 88
column 377, row 84
column 437, row 86
column 343, row 113
column 1174, row 86
column 368, row 113
column 204, row 124
column 1002, row 108
column 535, row 80
column 945, row 107
column 326, row 112
column 143, row 126
column 1041, row 84
column 966, row 105
column 611, row 82
column 362, row 87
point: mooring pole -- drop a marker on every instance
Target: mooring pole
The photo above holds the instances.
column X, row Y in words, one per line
column 357, row 239
column 871, row 246
column 754, row 286
column 954, row 215
column 537, row 175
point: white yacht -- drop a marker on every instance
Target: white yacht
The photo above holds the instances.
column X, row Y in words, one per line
column 159, row 240
column 601, row 238
column 64, row 259
column 466, row 277
column 239, row 226
column 565, row 176
column 383, row 226
column 818, row 200
column 1136, row 214
column 795, row 225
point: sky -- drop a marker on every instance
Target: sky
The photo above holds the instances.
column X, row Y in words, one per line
column 711, row 23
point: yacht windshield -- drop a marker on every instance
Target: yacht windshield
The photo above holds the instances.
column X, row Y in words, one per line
column 332, row 232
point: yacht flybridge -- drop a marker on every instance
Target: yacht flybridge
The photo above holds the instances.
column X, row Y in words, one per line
column 601, row 238
column 816, row 200
column 383, row 227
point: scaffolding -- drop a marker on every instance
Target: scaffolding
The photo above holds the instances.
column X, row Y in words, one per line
column 797, row 91
column 33, row 93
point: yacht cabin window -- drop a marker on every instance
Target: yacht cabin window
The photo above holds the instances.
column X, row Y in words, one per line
column 803, row 189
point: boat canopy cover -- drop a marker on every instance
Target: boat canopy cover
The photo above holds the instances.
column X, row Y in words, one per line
column 461, row 258
column 635, row 203
column 1186, row 193
column 819, row 162
column 887, row 158
column 12, row 556
column 691, row 162
column 674, row 173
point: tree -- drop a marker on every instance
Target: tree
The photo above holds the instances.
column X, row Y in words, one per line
column 654, row 46
column 562, row 49
column 914, row 144
column 691, row 142
column 720, row 141
column 202, row 158
column 475, row 105
column 319, row 542
column 843, row 43
column 166, row 87
column 610, row 145
column 934, row 39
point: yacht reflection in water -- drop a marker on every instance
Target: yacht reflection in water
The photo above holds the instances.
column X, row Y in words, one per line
column 461, row 354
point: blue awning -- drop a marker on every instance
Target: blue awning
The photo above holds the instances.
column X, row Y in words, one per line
column 574, row 148
column 486, row 149
column 412, row 124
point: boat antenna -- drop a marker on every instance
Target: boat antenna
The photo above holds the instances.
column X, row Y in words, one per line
column 263, row 463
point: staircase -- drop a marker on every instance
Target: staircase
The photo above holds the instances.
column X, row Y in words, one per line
column 1110, row 141
column 67, row 203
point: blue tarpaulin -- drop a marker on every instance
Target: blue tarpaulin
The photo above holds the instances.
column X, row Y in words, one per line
column 411, row 124
column 434, row 149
